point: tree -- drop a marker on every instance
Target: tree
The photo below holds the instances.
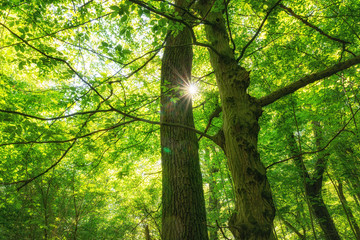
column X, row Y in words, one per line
column 81, row 91
column 183, row 203
column 254, row 209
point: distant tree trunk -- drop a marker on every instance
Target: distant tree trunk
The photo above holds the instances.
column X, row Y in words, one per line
column 318, row 206
column 313, row 186
column 313, row 189
column 214, row 204
column 350, row 167
column 292, row 228
column 147, row 233
column 183, row 204
column 254, row 209
column 44, row 190
column 348, row 212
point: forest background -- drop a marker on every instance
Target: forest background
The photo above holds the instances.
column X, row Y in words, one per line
column 81, row 106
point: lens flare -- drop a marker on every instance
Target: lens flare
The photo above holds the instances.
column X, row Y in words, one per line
column 192, row 89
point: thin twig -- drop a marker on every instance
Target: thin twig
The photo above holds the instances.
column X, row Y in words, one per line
column 226, row 3
column 26, row 182
column 69, row 140
column 258, row 31
column 221, row 229
column 61, row 30
column 307, row 23
column 56, row 118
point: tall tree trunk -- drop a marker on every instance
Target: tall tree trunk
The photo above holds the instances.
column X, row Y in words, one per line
column 254, row 209
column 183, row 204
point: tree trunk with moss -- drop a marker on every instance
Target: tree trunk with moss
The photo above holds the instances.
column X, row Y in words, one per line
column 183, row 204
column 254, row 208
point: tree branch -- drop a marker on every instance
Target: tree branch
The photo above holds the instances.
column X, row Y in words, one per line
column 26, row 182
column 158, row 12
column 221, row 229
column 156, row 51
column 289, row 225
column 134, row 118
column 215, row 114
column 258, row 31
column 193, row 36
column 56, row 59
column 55, row 118
column 186, row 11
column 302, row 82
column 226, row 3
column 53, row 33
column 71, row 139
column 291, row 12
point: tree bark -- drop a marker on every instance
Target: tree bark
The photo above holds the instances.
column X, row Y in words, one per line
column 254, row 209
column 183, row 204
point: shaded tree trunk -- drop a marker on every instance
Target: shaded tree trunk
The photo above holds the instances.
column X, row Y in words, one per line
column 214, row 204
column 183, row 204
column 292, row 228
column 147, row 233
column 320, row 211
column 348, row 211
column 350, row 165
column 254, row 209
column 313, row 186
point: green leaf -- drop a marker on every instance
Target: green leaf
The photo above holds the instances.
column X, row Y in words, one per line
column 21, row 65
column 114, row 14
column 21, row 30
column 115, row 8
column 162, row 22
column 124, row 18
column 118, row 48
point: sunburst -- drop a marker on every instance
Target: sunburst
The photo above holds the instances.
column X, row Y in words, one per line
column 192, row 89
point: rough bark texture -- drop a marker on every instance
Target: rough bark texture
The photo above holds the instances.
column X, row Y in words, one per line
column 183, row 205
column 254, row 209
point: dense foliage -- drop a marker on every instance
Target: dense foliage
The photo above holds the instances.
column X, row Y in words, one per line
column 80, row 114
